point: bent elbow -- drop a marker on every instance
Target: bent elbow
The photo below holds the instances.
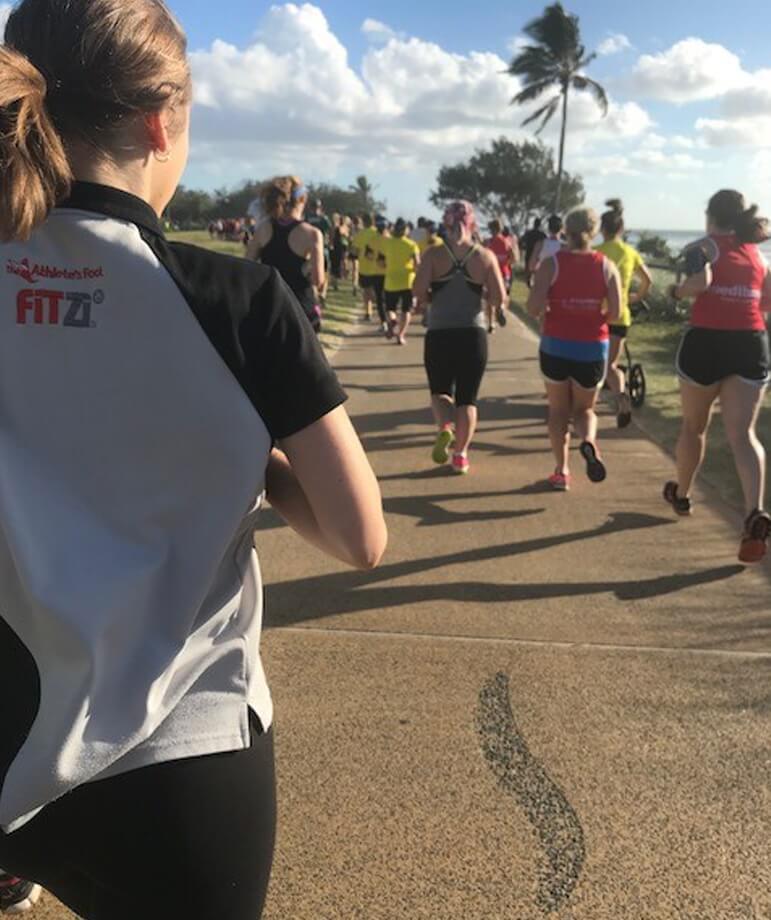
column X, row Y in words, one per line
column 370, row 553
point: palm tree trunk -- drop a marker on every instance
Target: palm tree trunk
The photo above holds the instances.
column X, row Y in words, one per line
column 558, row 194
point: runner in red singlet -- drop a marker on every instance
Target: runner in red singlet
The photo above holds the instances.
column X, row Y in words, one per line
column 725, row 354
column 576, row 292
column 503, row 249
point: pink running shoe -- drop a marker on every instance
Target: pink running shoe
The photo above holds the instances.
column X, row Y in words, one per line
column 560, row 482
column 460, row 464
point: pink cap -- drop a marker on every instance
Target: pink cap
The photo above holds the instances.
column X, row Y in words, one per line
column 460, row 213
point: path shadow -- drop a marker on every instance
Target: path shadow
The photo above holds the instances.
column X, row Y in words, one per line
column 317, row 597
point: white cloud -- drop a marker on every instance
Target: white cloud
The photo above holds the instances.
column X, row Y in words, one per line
column 689, row 71
column 515, row 44
column 5, row 12
column 736, row 132
column 614, row 44
column 378, row 32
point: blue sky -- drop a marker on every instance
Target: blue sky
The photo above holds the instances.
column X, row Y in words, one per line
column 305, row 89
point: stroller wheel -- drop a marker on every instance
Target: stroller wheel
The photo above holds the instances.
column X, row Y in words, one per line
column 637, row 385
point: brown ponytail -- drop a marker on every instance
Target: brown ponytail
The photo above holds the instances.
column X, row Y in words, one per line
column 280, row 194
column 728, row 209
column 77, row 71
column 34, row 172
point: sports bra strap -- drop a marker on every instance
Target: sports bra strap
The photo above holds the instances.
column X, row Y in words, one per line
column 460, row 264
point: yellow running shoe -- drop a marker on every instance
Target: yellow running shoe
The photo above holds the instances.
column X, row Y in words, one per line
column 441, row 451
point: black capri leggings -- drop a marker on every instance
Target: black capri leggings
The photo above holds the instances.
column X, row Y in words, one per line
column 455, row 362
column 188, row 838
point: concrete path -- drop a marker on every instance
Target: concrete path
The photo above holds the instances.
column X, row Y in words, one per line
column 540, row 705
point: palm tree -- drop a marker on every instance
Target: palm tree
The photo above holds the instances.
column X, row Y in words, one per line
column 364, row 189
column 556, row 60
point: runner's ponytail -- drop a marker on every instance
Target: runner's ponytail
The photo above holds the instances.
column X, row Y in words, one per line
column 728, row 209
column 34, row 171
column 612, row 222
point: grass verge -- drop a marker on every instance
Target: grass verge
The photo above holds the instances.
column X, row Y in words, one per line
column 654, row 343
column 341, row 305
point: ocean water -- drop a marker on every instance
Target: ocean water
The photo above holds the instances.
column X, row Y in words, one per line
column 678, row 239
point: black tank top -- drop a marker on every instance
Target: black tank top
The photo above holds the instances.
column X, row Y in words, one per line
column 292, row 268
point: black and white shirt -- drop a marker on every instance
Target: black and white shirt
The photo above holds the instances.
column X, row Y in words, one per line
column 142, row 384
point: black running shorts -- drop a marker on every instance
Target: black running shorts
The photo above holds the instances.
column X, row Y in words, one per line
column 369, row 282
column 587, row 374
column 186, row 838
column 394, row 299
column 455, row 362
column 620, row 332
column 707, row 356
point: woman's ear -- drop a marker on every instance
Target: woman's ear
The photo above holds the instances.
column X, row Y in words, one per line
column 157, row 133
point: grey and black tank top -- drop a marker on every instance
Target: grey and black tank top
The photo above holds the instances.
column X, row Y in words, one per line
column 456, row 300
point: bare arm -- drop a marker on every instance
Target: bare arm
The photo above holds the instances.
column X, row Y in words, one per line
column 614, row 294
column 646, row 283
column 324, row 488
column 765, row 301
column 693, row 284
column 535, row 258
column 494, row 287
column 259, row 241
column 514, row 254
column 539, row 292
column 318, row 276
column 422, row 285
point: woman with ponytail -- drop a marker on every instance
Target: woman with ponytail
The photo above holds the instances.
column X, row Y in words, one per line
column 455, row 277
column 153, row 394
column 288, row 243
column 724, row 355
column 575, row 293
column 630, row 264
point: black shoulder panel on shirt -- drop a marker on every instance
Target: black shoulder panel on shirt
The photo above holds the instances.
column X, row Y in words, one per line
column 259, row 330
column 20, row 693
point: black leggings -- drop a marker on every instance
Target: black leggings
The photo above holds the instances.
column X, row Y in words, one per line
column 455, row 362
column 188, row 838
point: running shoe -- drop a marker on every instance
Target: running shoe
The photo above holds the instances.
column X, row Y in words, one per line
column 624, row 417
column 401, row 340
column 384, row 328
column 682, row 506
column 17, row 895
column 595, row 468
column 757, row 530
column 391, row 330
column 560, row 482
column 441, row 451
column 500, row 315
column 460, row 464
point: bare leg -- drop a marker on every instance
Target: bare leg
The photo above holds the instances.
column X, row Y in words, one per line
column 558, row 395
column 584, row 416
column 697, row 405
column 406, row 317
column 465, row 427
column 368, row 297
column 740, row 403
column 443, row 408
column 616, row 379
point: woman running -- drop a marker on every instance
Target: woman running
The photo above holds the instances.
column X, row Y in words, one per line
column 290, row 244
column 456, row 277
column 144, row 384
column 724, row 355
column 402, row 257
column 570, row 292
column 630, row 264
column 550, row 246
column 338, row 250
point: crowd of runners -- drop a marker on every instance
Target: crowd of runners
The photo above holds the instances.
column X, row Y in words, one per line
column 131, row 593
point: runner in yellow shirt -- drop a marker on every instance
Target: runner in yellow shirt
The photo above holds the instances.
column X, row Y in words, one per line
column 629, row 263
column 366, row 244
column 402, row 257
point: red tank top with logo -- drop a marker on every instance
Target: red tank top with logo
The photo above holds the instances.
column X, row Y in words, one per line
column 502, row 248
column 733, row 300
column 576, row 298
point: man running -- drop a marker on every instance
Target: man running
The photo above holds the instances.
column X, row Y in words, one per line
column 530, row 239
column 503, row 250
column 366, row 245
column 402, row 260
column 318, row 219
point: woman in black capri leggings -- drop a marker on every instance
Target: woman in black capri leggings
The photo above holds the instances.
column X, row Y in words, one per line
column 456, row 277
column 153, row 393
